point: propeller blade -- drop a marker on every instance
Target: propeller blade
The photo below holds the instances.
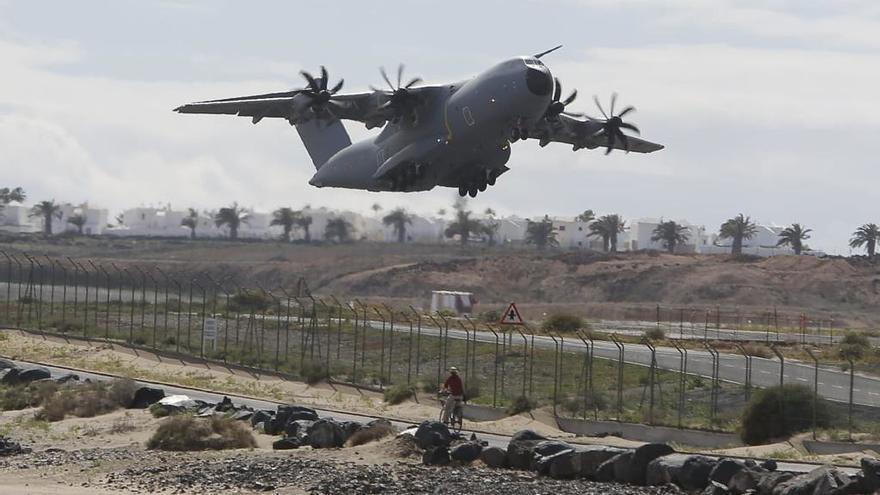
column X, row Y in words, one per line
column 311, row 80
column 337, row 87
column 323, row 77
column 596, row 99
column 610, row 145
column 623, row 139
column 385, row 76
column 557, row 92
column 630, row 127
column 576, row 115
column 627, row 110
column 399, row 74
column 613, row 101
column 413, row 82
column 571, row 97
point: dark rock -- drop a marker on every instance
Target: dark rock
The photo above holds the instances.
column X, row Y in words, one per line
column 871, row 473
column 634, row 471
column 466, row 452
column 823, row 480
column 6, row 364
column 856, row 485
column 145, row 397
column 690, row 472
column 769, row 465
column 261, row 416
column 520, row 450
column 288, row 413
column 432, row 434
column 616, row 468
column 286, row 443
column 592, row 456
column 494, row 457
column 242, row 414
column 436, row 456
column 715, row 488
column 745, row 479
column 564, row 465
column 68, row 377
column 349, row 428
column 224, row 405
column 725, row 469
column 543, row 450
column 9, row 376
column 770, row 479
column 9, row 447
column 325, row 433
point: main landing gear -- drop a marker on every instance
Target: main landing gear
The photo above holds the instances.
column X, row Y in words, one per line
column 407, row 176
column 478, row 184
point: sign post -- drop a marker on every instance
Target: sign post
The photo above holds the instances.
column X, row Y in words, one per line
column 511, row 316
column 209, row 333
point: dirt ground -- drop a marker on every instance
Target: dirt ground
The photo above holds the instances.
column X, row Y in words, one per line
column 597, row 285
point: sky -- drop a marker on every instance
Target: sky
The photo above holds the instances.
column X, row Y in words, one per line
column 767, row 108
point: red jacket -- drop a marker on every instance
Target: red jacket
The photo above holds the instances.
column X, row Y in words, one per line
column 454, row 385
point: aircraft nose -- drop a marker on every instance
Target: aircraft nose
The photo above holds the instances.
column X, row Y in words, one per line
column 539, row 81
column 315, row 181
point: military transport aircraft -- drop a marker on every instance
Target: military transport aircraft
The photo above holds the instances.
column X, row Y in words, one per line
column 454, row 135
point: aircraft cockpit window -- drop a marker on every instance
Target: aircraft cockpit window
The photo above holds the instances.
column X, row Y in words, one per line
column 533, row 62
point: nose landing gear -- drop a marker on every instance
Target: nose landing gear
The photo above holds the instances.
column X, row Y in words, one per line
column 479, row 184
column 408, row 175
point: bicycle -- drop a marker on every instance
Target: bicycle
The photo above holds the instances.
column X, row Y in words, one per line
column 456, row 419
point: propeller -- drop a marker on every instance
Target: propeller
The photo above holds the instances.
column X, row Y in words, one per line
column 611, row 127
column 401, row 102
column 317, row 90
column 557, row 106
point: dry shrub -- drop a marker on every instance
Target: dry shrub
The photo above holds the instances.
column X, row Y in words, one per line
column 122, row 391
column 86, row 400
column 185, row 433
column 757, row 350
column 397, row 394
column 376, row 431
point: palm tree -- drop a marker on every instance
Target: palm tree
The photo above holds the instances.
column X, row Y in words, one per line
column 304, row 221
column 376, row 208
column 671, row 234
column 541, row 233
column 463, row 226
column 441, row 212
column 607, row 227
column 867, row 235
column 398, row 218
column 586, row 217
column 491, row 225
column 339, row 229
column 191, row 221
column 287, row 219
column 78, row 220
column 794, row 236
column 738, row 228
column 232, row 217
column 48, row 210
column 9, row 195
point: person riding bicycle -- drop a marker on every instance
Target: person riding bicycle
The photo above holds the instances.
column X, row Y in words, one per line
column 455, row 388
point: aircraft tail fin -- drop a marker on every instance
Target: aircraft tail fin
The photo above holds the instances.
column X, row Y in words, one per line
column 323, row 138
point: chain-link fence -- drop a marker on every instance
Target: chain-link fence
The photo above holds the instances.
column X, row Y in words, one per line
column 688, row 382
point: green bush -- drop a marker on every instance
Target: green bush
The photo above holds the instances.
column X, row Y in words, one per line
column 159, row 411
column 520, row 405
column 655, row 333
column 14, row 399
column 563, row 323
column 313, row 372
column 86, row 400
column 491, row 316
column 778, row 412
column 472, row 389
column 186, row 433
column 397, row 394
column 853, row 346
column 429, row 387
column 249, row 302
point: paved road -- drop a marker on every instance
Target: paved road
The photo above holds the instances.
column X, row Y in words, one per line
column 832, row 383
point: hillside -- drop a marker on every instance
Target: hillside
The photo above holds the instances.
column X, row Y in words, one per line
column 594, row 284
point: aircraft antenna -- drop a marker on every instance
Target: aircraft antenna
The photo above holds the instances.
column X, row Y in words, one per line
column 548, row 51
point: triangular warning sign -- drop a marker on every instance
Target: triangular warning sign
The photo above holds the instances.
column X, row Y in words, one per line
column 511, row 316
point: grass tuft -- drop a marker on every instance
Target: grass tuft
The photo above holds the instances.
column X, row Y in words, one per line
column 186, row 433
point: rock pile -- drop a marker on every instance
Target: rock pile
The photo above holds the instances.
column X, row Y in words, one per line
column 8, row 448
column 11, row 374
column 654, row 464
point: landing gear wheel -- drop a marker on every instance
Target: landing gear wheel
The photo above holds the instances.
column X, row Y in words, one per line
column 472, row 192
column 462, row 191
column 492, row 180
column 482, row 186
column 514, row 135
column 524, row 134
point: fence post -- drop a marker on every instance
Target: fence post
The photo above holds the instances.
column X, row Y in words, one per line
column 531, row 360
column 620, row 356
column 40, row 296
column 444, row 339
column 409, row 349
column 713, row 397
column 29, row 296
column 8, row 283
column 467, row 339
column 204, row 316
column 286, row 323
column 494, row 368
column 439, row 347
column 852, row 371
column 143, row 303
column 277, row 302
column 338, row 327
column 97, row 294
column 329, row 324
column 555, row 371
column 651, row 377
column 52, row 292
column 815, row 385
column 118, row 296
column 107, row 302
column 179, row 296
column 781, row 382
column 382, row 351
column 418, row 339
column 390, row 338
column 525, row 359
column 75, row 289
column 355, row 347
column 682, row 379
column 748, row 380
column 584, row 375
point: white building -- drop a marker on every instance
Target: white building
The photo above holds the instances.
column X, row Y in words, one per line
column 95, row 219
column 15, row 217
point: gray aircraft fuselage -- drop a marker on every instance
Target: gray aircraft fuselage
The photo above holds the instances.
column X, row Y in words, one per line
column 461, row 135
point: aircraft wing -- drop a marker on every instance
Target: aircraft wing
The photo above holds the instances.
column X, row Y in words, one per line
column 586, row 134
column 371, row 108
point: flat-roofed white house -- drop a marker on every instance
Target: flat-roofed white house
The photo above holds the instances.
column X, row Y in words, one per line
column 15, row 217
